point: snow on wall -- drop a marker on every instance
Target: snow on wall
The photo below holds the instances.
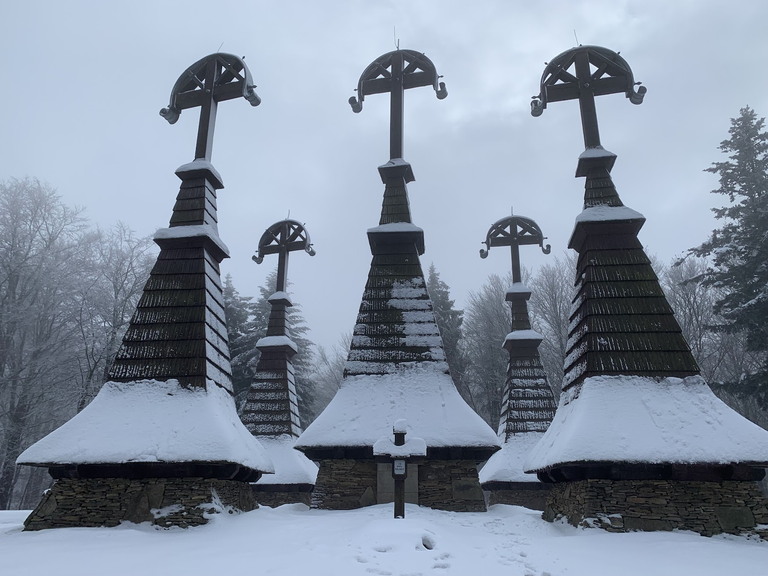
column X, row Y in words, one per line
column 506, row 465
column 291, row 466
column 638, row 419
column 152, row 421
column 365, row 407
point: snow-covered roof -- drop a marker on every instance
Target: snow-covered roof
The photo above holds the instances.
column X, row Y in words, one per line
column 366, row 405
column 637, row 419
column 291, row 466
column 152, row 421
column 193, row 231
column 608, row 213
column 276, row 341
column 506, row 465
column 280, row 296
column 395, row 227
column 524, row 335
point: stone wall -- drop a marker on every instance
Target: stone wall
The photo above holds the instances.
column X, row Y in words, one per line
column 533, row 499
column 624, row 505
column 278, row 498
column 345, row 484
column 93, row 502
column 450, row 485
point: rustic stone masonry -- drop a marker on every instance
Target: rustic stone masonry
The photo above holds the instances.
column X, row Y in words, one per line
column 283, row 494
column 732, row 507
column 531, row 495
column 164, row 502
column 450, row 485
column 345, row 484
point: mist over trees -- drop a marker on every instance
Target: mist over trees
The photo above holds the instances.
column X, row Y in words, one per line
column 67, row 291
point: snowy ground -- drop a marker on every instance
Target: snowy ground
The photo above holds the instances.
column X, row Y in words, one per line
column 292, row 540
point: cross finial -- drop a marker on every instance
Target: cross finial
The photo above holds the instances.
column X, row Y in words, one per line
column 514, row 231
column 611, row 75
column 207, row 82
column 394, row 72
column 281, row 238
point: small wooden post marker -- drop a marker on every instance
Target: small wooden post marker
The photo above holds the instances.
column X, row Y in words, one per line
column 400, row 452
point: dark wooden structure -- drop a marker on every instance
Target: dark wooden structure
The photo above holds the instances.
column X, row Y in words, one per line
column 178, row 331
column 528, row 405
column 395, row 332
column 271, row 411
column 621, row 323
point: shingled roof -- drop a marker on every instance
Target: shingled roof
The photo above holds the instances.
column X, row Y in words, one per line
column 621, row 322
column 396, row 366
column 633, row 404
column 179, row 329
column 172, row 374
column 527, row 401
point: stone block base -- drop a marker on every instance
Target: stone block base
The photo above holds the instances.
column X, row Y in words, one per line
column 450, row 485
column 165, row 502
column 534, row 499
column 345, row 484
column 274, row 498
column 733, row 507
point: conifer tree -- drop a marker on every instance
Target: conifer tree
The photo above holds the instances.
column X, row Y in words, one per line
column 449, row 321
column 247, row 321
column 739, row 248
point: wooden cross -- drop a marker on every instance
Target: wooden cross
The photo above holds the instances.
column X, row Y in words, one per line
column 282, row 238
column 207, row 82
column 612, row 75
column 514, row 231
column 394, row 72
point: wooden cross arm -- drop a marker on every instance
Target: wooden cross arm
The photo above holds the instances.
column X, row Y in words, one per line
column 418, row 71
column 514, row 231
column 560, row 81
column 233, row 80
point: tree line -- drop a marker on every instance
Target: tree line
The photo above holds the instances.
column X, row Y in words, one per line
column 68, row 289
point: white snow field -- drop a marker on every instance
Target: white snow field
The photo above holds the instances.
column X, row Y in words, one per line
column 294, row 541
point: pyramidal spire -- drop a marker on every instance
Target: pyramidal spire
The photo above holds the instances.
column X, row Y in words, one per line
column 164, row 431
column 527, row 406
column 396, row 367
column 271, row 410
column 638, row 439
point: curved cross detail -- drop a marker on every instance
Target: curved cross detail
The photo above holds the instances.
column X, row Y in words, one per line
column 583, row 73
column 394, row 72
column 514, row 231
column 207, row 82
column 281, row 238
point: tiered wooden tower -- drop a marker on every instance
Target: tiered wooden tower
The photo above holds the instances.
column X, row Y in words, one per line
column 396, row 367
column 528, row 405
column 271, row 410
column 161, row 442
column 639, row 441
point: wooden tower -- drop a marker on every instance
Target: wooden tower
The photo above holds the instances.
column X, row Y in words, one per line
column 527, row 406
column 162, row 442
column 271, row 410
column 639, row 441
column 396, row 367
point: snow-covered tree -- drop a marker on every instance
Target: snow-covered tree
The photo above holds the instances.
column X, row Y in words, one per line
column 449, row 321
column 247, row 322
column 487, row 321
column 549, row 308
column 739, row 248
column 113, row 277
column 43, row 246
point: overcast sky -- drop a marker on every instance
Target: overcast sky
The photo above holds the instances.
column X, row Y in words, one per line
column 84, row 81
